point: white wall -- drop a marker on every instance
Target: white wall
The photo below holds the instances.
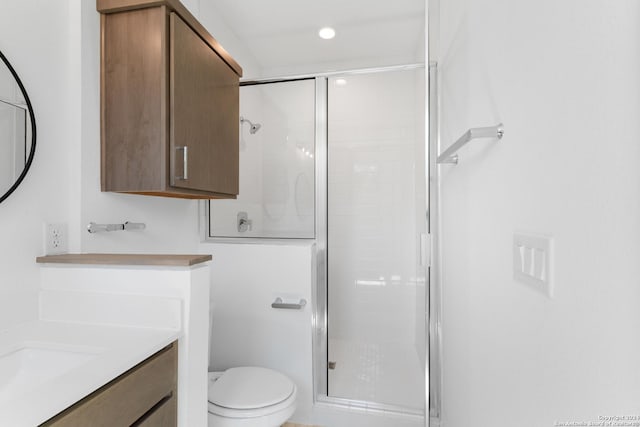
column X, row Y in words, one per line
column 211, row 18
column 37, row 38
column 563, row 77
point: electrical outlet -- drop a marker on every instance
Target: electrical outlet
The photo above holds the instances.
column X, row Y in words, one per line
column 55, row 239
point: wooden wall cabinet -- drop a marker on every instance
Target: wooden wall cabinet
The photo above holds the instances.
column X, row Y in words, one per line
column 143, row 396
column 169, row 103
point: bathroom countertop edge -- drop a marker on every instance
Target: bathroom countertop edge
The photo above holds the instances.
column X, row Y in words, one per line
column 172, row 260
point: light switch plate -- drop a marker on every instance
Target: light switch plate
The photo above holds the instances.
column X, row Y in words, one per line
column 533, row 261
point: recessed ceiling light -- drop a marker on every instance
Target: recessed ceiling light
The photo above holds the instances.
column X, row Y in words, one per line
column 327, row 33
column 341, row 82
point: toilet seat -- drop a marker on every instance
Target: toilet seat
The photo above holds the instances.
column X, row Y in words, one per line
column 250, row 392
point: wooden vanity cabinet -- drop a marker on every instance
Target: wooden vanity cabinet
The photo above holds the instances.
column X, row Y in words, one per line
column 143, row 396
column 169, row 103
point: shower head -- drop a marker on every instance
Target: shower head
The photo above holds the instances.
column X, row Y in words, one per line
column 253, row 128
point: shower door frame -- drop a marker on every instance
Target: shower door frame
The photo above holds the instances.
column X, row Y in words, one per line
column 320, row 282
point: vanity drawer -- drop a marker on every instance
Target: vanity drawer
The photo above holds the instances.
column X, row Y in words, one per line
column 143, row 396
column 163, row 415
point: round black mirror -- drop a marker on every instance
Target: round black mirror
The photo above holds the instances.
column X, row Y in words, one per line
column 17, row 130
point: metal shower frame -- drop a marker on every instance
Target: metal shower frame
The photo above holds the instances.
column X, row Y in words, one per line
column 319, row 275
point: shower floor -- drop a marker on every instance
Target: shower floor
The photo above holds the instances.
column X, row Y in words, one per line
column 381, row 373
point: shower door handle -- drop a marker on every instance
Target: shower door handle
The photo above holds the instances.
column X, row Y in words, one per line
column 425, row 250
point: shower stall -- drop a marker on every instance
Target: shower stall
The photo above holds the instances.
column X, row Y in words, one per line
column 339, row 161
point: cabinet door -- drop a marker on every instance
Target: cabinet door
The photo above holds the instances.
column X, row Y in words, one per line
column 133, row 100
column 204, row 115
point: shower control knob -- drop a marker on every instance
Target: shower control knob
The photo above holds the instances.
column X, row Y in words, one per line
column 244, row 223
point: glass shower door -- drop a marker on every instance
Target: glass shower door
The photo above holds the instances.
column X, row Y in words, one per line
column 376, row 213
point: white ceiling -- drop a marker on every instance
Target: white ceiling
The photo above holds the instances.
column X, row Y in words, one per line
column 283, row 37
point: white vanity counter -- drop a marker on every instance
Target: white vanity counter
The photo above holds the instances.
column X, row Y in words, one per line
column 63, row 362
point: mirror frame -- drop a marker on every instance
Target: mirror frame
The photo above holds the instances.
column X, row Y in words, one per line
column 32, row 117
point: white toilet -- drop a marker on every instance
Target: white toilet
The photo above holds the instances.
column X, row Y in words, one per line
column 250, row 397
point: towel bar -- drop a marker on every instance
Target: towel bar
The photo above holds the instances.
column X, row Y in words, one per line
column 449, row 155
column 97, row 228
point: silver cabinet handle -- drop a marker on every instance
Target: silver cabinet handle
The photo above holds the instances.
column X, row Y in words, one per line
column 185, row 162
column 278, row 303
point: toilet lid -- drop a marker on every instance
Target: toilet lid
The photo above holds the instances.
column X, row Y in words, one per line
column 250, row 388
